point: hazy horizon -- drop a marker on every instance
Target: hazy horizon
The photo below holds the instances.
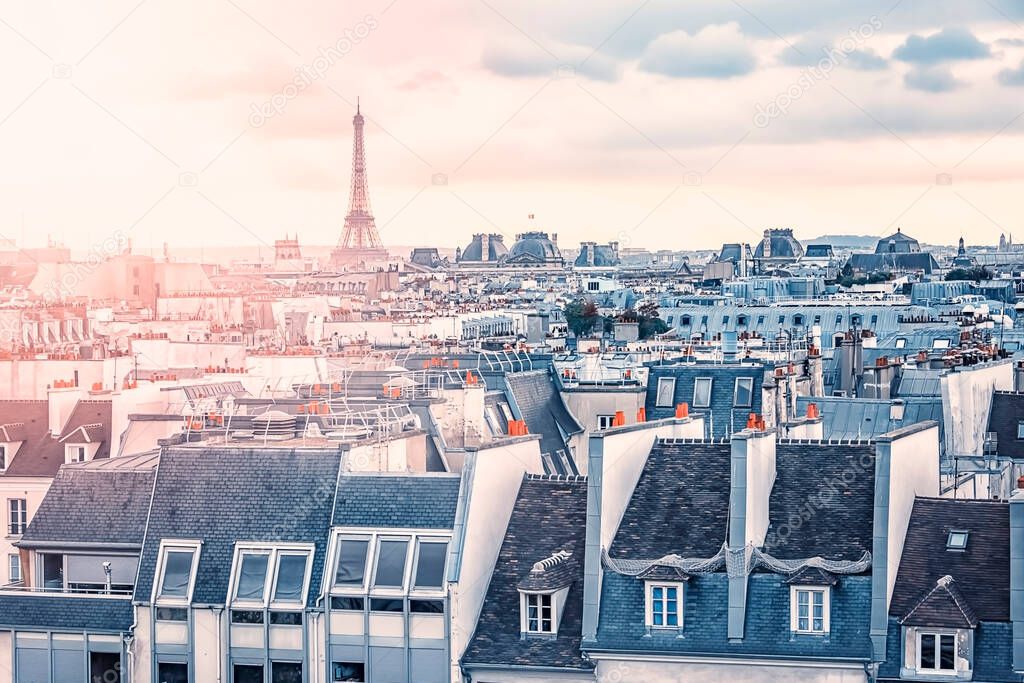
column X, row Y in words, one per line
column 661, row 125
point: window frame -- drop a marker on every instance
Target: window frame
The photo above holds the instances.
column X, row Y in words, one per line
column 1020, row 430
column 175, row 545
column 649, row 612
column 3, row 457
column 14, row 560
column 605, row 422
column 373, row 537
column 658, row 403
column 958, row 547
column 273, row 551
column 275, row 572
column 403, row 587
column 417, row 591
column 77, row 449
column 338, row 543
column 794, row 610
column 525, row 599
column 22, row 514
column 697, row 382
column 749, row 381
column 938, row 634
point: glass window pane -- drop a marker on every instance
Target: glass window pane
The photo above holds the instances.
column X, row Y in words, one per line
column 245, row 673
column 351, row 562
column 744, row 393
column 666, row 392
column 177, row 571
column 291, row 574
column 702, row 392
column 927, row 651
column 430, row 567
column 252, row 576
column 391, row 564
column 947, row 652
column 286, row 672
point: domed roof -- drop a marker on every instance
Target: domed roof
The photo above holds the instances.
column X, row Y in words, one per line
column 534, row 246
column 898, row 243
column 779, row 243
column 485, row 247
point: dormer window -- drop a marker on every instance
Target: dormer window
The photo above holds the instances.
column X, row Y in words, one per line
column 702, row 392
column 176, row 572
column 809, row 609
column 276, row 576
column 542, row 594
column 957, row 541
column 74, row 453
column 539, row 618
column 664, row 605
column 3, row 457
column 936, row 652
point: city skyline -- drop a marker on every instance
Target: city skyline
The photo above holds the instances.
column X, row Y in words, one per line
column 480, row 114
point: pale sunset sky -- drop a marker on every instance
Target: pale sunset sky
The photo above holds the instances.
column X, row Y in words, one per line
column 661, row 123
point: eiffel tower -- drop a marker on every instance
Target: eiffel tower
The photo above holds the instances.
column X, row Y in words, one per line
column 360, row 241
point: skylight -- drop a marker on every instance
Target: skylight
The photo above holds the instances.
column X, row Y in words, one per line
column 957, row 541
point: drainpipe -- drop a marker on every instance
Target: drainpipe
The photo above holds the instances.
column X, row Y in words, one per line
column 1017, row 575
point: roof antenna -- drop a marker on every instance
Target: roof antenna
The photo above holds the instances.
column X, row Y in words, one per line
column 357, row 105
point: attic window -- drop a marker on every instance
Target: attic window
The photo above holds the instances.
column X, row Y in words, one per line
column 901, row 342
column 664, row 605
column 940, row 344
column 956, row 541
column 702, row 392
column 1020, row 429
column 743, row 393
column 539, row 611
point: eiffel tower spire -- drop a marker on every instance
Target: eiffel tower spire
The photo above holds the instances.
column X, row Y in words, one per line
column 360, row 231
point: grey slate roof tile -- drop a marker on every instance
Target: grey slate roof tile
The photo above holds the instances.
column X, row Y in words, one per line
column 62, row 612
column 982, row 571
column 680, row 503
column 397, row 501
column 822, row 503
column 549, row 515
column 93, row 506
column 228, row 495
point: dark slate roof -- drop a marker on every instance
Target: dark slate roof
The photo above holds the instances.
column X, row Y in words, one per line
column 901, row 242
column 725, row 419
column 534, row 246
column 42, row 455
column 543, row 409
column 549, row 515
column 923, row 261
column 992, row 656
column 982, row 571
column 66, row 613
column 495, row 248
column 705, row 619
column 822, row 503
column 93, row 506
column 783, row 245
column 1007, row 411
column 680, row 503
column 222, row 496
column 944, row 605
column 395, row 500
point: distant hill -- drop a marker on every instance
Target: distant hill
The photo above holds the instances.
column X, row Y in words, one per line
column 845, row 241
